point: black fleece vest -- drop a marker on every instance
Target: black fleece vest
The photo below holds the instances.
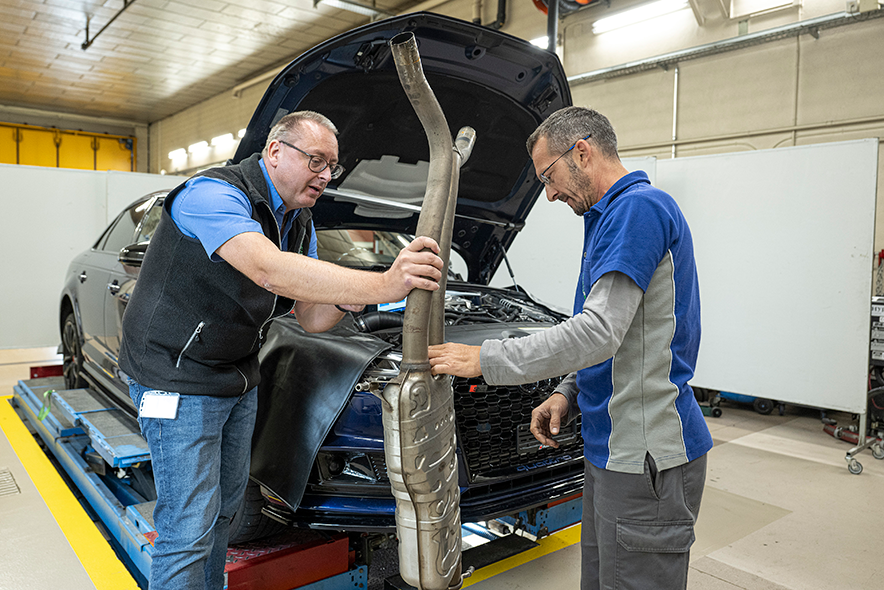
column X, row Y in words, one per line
column 194, row 326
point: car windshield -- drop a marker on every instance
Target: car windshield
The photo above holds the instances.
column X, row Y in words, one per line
column 370, row 249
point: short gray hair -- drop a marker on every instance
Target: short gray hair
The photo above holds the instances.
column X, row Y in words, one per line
column 564, row 127
column 289, row 127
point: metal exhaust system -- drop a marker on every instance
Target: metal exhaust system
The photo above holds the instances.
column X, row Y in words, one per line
column 419, row 425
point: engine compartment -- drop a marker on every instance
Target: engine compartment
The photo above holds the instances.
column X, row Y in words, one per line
column 343, row 483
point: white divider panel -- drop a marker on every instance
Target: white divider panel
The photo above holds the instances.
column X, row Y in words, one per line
column 784, row 243
column 50, row 215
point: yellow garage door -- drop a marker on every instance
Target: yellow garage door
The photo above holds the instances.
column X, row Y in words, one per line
column 59, row 148
column 76, row 151
column 37, row 148
column 115, row 153
column 8, row 144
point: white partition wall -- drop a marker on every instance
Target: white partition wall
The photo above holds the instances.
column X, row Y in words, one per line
column 49, row 216
column 784, row 243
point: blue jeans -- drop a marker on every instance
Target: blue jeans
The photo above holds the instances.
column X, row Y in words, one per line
column 200, row 466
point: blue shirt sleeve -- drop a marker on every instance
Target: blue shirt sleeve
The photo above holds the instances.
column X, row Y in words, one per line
column 312, row 251
column 213, row 211
column 633, row 238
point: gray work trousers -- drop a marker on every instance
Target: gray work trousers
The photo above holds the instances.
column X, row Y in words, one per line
column 638, row 528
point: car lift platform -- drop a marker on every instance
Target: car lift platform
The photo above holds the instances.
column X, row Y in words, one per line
column 85, row 435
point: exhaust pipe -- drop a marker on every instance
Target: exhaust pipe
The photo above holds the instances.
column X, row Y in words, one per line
column 463, row 147
column 418, row 408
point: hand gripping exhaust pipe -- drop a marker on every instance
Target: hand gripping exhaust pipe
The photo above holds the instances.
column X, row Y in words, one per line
column 419, row 426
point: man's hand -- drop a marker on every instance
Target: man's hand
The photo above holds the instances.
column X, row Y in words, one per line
column 546, row 419
column 415, row 268
column 455, row 359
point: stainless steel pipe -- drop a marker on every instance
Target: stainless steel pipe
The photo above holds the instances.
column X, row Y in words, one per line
column 435, row 204
column 463, row 147
column 418, row 409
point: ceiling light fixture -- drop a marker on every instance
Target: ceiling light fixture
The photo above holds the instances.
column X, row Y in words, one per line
column 223, row 140
column 354, row 6
column 178, row 154
column 242, row 133
column 197, row 147
column 542, row 42
column 637, row 15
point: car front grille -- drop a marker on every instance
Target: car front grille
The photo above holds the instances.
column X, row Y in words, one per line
column 493, row 429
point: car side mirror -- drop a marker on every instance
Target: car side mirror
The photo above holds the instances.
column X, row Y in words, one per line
column 133, row 254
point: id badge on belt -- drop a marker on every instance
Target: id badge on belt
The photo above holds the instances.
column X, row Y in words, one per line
column 159, row 404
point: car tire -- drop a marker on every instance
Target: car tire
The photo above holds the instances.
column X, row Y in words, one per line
column 249, row 523
column 72, row 353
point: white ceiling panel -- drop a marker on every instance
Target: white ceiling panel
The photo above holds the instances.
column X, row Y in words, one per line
column 157, row 57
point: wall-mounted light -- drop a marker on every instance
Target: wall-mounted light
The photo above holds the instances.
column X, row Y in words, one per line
column 354, row 6
column 199, row 146
column 223, row 141
column 637, row 15
column 242, row 133
column 542, row 42
column 178, row 154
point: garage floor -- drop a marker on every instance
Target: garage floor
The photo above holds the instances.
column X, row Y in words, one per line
column 780, row 511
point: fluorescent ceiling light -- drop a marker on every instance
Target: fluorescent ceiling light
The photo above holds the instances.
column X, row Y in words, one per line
column 354, row 6
column 636, row 15
column 542, row 42
column 223, row 140
column 197, row 147
column 177, row 154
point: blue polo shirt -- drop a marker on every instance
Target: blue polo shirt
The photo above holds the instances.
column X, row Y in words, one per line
column 213, row 211
column 639, row 401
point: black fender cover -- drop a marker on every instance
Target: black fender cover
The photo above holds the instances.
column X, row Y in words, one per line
column 306, row 382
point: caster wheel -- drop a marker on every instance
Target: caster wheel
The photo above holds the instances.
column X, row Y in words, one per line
column 854, row 467
column 878, row 451
column 763, row 406
column 716, row 412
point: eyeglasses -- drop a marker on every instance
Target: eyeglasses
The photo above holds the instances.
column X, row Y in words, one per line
column 546, row 179
column 317, row 163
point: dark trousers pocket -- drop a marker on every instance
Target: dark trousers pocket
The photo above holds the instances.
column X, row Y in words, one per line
column 653, row 554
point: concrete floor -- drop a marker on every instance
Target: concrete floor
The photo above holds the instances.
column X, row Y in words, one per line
column 780, row 511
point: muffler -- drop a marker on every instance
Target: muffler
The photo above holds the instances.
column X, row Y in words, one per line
column 418, row 409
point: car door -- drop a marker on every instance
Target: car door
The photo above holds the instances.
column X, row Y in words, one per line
column 121, row 277
column 94, row 277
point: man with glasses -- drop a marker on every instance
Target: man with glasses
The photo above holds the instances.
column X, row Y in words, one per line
column 627, row 353
column 235, row 248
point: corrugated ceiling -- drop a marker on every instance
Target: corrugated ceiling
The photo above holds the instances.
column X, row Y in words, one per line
column 158, row 57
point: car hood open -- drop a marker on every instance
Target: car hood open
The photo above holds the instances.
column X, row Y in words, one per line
column 500, row 85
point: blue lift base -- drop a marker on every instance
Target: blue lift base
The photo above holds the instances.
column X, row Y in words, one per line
column 69, row 432
column 79, row 426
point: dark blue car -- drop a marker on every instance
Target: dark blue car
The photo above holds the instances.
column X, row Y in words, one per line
column 318, row 455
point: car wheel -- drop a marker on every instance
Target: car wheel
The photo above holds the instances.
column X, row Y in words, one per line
column 72, row 354
column 249, row 523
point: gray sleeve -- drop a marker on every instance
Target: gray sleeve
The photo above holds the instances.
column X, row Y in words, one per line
column 568, row 388
column 587, row 339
